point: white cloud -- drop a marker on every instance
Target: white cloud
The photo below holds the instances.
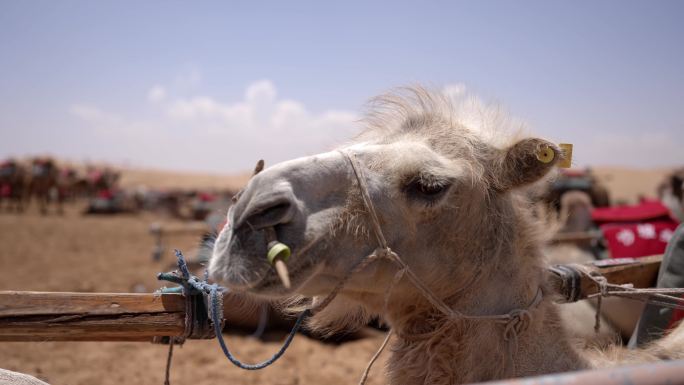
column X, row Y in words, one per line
column 203, row 133
column 261, row 117
column 261, row 92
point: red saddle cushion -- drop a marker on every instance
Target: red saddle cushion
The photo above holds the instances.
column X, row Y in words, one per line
column 632, row 240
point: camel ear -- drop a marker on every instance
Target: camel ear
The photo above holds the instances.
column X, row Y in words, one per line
column 525, row 162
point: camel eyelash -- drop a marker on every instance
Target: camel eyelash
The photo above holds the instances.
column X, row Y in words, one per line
column 427, row 190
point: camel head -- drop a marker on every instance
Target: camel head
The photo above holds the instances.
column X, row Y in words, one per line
column 442, row 191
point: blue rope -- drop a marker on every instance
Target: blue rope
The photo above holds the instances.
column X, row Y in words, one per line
column 214, row 292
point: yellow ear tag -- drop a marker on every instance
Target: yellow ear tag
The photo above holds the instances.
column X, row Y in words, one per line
column 545, row 154
column 567, row 155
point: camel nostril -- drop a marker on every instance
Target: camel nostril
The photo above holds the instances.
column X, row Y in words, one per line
column 270, row 215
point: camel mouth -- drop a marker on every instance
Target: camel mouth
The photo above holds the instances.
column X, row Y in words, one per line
column 239, row 262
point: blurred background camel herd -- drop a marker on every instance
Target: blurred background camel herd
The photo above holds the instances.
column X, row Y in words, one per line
column 45, row 183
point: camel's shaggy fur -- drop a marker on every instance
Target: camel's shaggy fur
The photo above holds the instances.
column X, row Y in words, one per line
column 477, row 247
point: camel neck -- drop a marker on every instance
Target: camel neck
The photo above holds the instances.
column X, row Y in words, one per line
column 453, row 351
column 432, row 349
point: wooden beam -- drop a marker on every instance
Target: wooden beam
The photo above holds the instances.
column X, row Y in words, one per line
column 58, row 316
column 640, row 272
column 13, row 303
column 40, row 316
column 45, row 316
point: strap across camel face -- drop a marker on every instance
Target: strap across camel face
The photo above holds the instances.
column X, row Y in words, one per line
column 443, row 202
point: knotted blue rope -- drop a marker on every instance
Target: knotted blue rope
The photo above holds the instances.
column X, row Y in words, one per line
column 213, row 295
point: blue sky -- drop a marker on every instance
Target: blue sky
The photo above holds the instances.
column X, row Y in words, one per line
column 216, row 85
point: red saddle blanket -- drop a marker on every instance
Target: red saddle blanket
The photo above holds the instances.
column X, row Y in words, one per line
column 632, row 240
column 635, row 230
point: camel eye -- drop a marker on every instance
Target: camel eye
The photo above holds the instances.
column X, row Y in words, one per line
column 426, row 190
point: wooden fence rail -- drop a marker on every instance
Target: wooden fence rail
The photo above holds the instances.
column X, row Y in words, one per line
column 39, row 316
column 53, row 316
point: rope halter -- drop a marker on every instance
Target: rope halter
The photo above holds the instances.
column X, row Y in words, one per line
column 514, row 317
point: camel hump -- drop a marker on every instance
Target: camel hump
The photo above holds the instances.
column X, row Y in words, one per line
column 13, row 378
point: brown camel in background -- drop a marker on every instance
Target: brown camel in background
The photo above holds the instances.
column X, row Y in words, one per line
column 43, row 184
column 13, row 185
